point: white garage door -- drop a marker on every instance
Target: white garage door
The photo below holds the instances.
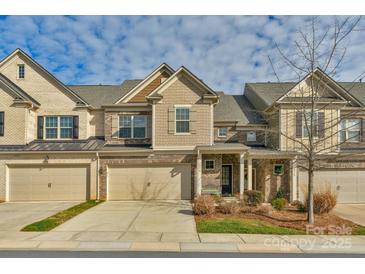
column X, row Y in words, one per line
column 48, row 183
column 349, row 184
column 149, row 182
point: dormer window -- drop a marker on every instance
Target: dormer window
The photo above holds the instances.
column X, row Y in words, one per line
column 21, row 71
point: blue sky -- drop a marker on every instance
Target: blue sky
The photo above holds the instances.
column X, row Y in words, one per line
column 224, row 51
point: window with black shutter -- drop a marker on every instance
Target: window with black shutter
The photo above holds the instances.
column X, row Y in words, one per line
column 2, row 123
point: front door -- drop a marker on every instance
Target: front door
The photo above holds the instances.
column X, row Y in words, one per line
column 226, row 180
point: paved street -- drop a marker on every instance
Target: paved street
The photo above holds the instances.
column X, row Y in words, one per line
column 352, row 212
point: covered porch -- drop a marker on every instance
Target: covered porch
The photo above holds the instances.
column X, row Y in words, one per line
column 232, row 169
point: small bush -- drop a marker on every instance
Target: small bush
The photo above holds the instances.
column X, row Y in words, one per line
column 324, row 200
column 279, row 203
column 204, row 205
column 280, row 194
column 228, row 207
column 263, row 210
column 247, row 209
column 299, row 205
column 253, row 197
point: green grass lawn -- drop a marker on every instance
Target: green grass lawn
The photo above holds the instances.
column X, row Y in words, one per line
column 360, row 230
column 243, row 226
column 61, row 217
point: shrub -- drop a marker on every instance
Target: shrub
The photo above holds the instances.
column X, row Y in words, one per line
column 253, row 197
column 204, row 205
column 247, row 209
column 299, row 205
column 263, row 210
column 279, row 203
column 279, row 194
column 324, row 200
column 228, row 207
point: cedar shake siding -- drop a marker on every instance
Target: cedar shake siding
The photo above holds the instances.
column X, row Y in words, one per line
column 140, row 97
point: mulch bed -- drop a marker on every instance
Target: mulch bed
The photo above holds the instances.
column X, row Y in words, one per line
column 288, row 218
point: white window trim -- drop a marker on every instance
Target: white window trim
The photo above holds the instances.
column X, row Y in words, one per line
column 132, row 126
column 58, row 127
column 222, row 136
column 182, row 106
column 273, row 169
column 248, row 134
column 17, row 72
column 347, row 130
column 205, row 164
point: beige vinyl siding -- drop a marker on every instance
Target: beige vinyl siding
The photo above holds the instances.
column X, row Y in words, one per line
column 288, row 122
column 15, row 121
column 183, row 92
column 52, row 98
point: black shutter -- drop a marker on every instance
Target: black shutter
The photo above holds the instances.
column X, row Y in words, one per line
column 298, row 124
column 2, row 123
column 321, row 124
column 76, row 127
column 362, row 130
column 40, row 127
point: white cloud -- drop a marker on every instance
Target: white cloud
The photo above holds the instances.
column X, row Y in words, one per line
column 225, row 51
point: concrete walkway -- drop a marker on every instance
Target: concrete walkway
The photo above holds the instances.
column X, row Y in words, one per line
column 203, row 242
column 352, row 212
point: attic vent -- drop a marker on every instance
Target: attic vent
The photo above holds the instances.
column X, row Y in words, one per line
column 163, row 79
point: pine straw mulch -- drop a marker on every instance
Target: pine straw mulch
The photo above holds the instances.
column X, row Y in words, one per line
column 288, row 218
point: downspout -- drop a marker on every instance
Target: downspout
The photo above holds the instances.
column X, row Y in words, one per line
column 97, row 176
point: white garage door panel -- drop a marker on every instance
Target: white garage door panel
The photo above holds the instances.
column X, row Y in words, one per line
column 40, row 183
column 149, row 183
column 349, row 184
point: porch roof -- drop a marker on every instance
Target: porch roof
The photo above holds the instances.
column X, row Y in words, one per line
column 267, row 153
column 223, row 148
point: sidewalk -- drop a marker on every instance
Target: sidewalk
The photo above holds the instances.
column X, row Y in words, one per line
column 180, row 242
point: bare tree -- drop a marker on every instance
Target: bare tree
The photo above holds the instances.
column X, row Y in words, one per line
column 314, row 127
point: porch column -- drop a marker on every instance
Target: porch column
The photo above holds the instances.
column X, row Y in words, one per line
column 249, row 173
column 198, row 179
column 294, row 179
column 242, row 173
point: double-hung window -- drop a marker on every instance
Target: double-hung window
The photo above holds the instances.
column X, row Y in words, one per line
column 306, row 124
column 66, row 127
column 2, row 116
column 59, row 127
column 182, row 120
column 132, row 126
column 350, row 130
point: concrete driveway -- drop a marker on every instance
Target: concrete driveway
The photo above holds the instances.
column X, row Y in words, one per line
column 15, row 215
column 352, row 212
column 134, row 220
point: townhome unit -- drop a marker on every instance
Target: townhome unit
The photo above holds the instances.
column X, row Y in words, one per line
column 169, row 136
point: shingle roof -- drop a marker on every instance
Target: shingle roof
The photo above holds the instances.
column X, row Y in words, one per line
column 98, row 95
column 236, row 108
column 263, row 95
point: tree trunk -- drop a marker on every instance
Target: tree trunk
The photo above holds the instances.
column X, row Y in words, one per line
column 310, row 194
